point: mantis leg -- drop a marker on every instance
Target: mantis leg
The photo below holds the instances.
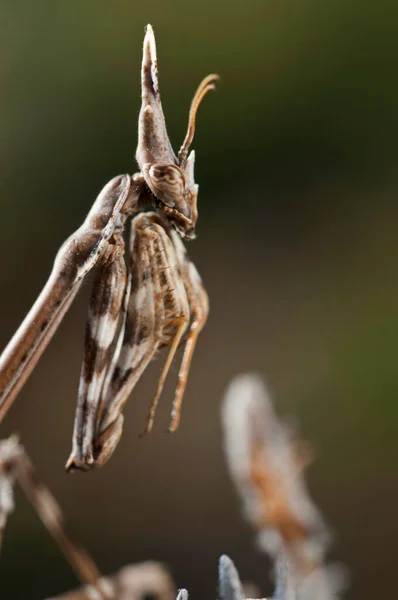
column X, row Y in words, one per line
column 158, row 315
column 134, row 348
column 109, row 289
column 74, row 260
column 199, row 309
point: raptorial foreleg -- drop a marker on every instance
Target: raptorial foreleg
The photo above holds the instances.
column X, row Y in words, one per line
column 76, row 257
column 104, row 316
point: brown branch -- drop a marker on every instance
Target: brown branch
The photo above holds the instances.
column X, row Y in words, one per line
column 133, row 582
column 15, row 466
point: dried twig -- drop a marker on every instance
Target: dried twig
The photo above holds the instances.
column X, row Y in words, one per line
column 231, row 588
column 15, row 466
column 133, row 582
column 229, row 583
column 267, row 467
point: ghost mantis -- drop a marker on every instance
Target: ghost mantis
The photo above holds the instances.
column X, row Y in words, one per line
column 144, row 299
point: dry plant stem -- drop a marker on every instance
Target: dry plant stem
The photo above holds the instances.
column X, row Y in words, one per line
column 285, row 588
column 267, row 468
column 133, row 582
column 231, row 588
column 15, row 464
column 118, row 307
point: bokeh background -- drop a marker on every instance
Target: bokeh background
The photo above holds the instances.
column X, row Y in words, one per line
column 297, row 245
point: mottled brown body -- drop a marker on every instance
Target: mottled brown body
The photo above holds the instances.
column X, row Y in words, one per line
column 164, row 301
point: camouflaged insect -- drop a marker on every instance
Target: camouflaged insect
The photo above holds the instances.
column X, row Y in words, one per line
column 145, row 298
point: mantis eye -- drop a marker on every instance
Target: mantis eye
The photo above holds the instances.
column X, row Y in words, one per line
column 167, row 182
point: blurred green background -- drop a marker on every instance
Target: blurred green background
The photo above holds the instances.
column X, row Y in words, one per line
column 297, row 245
